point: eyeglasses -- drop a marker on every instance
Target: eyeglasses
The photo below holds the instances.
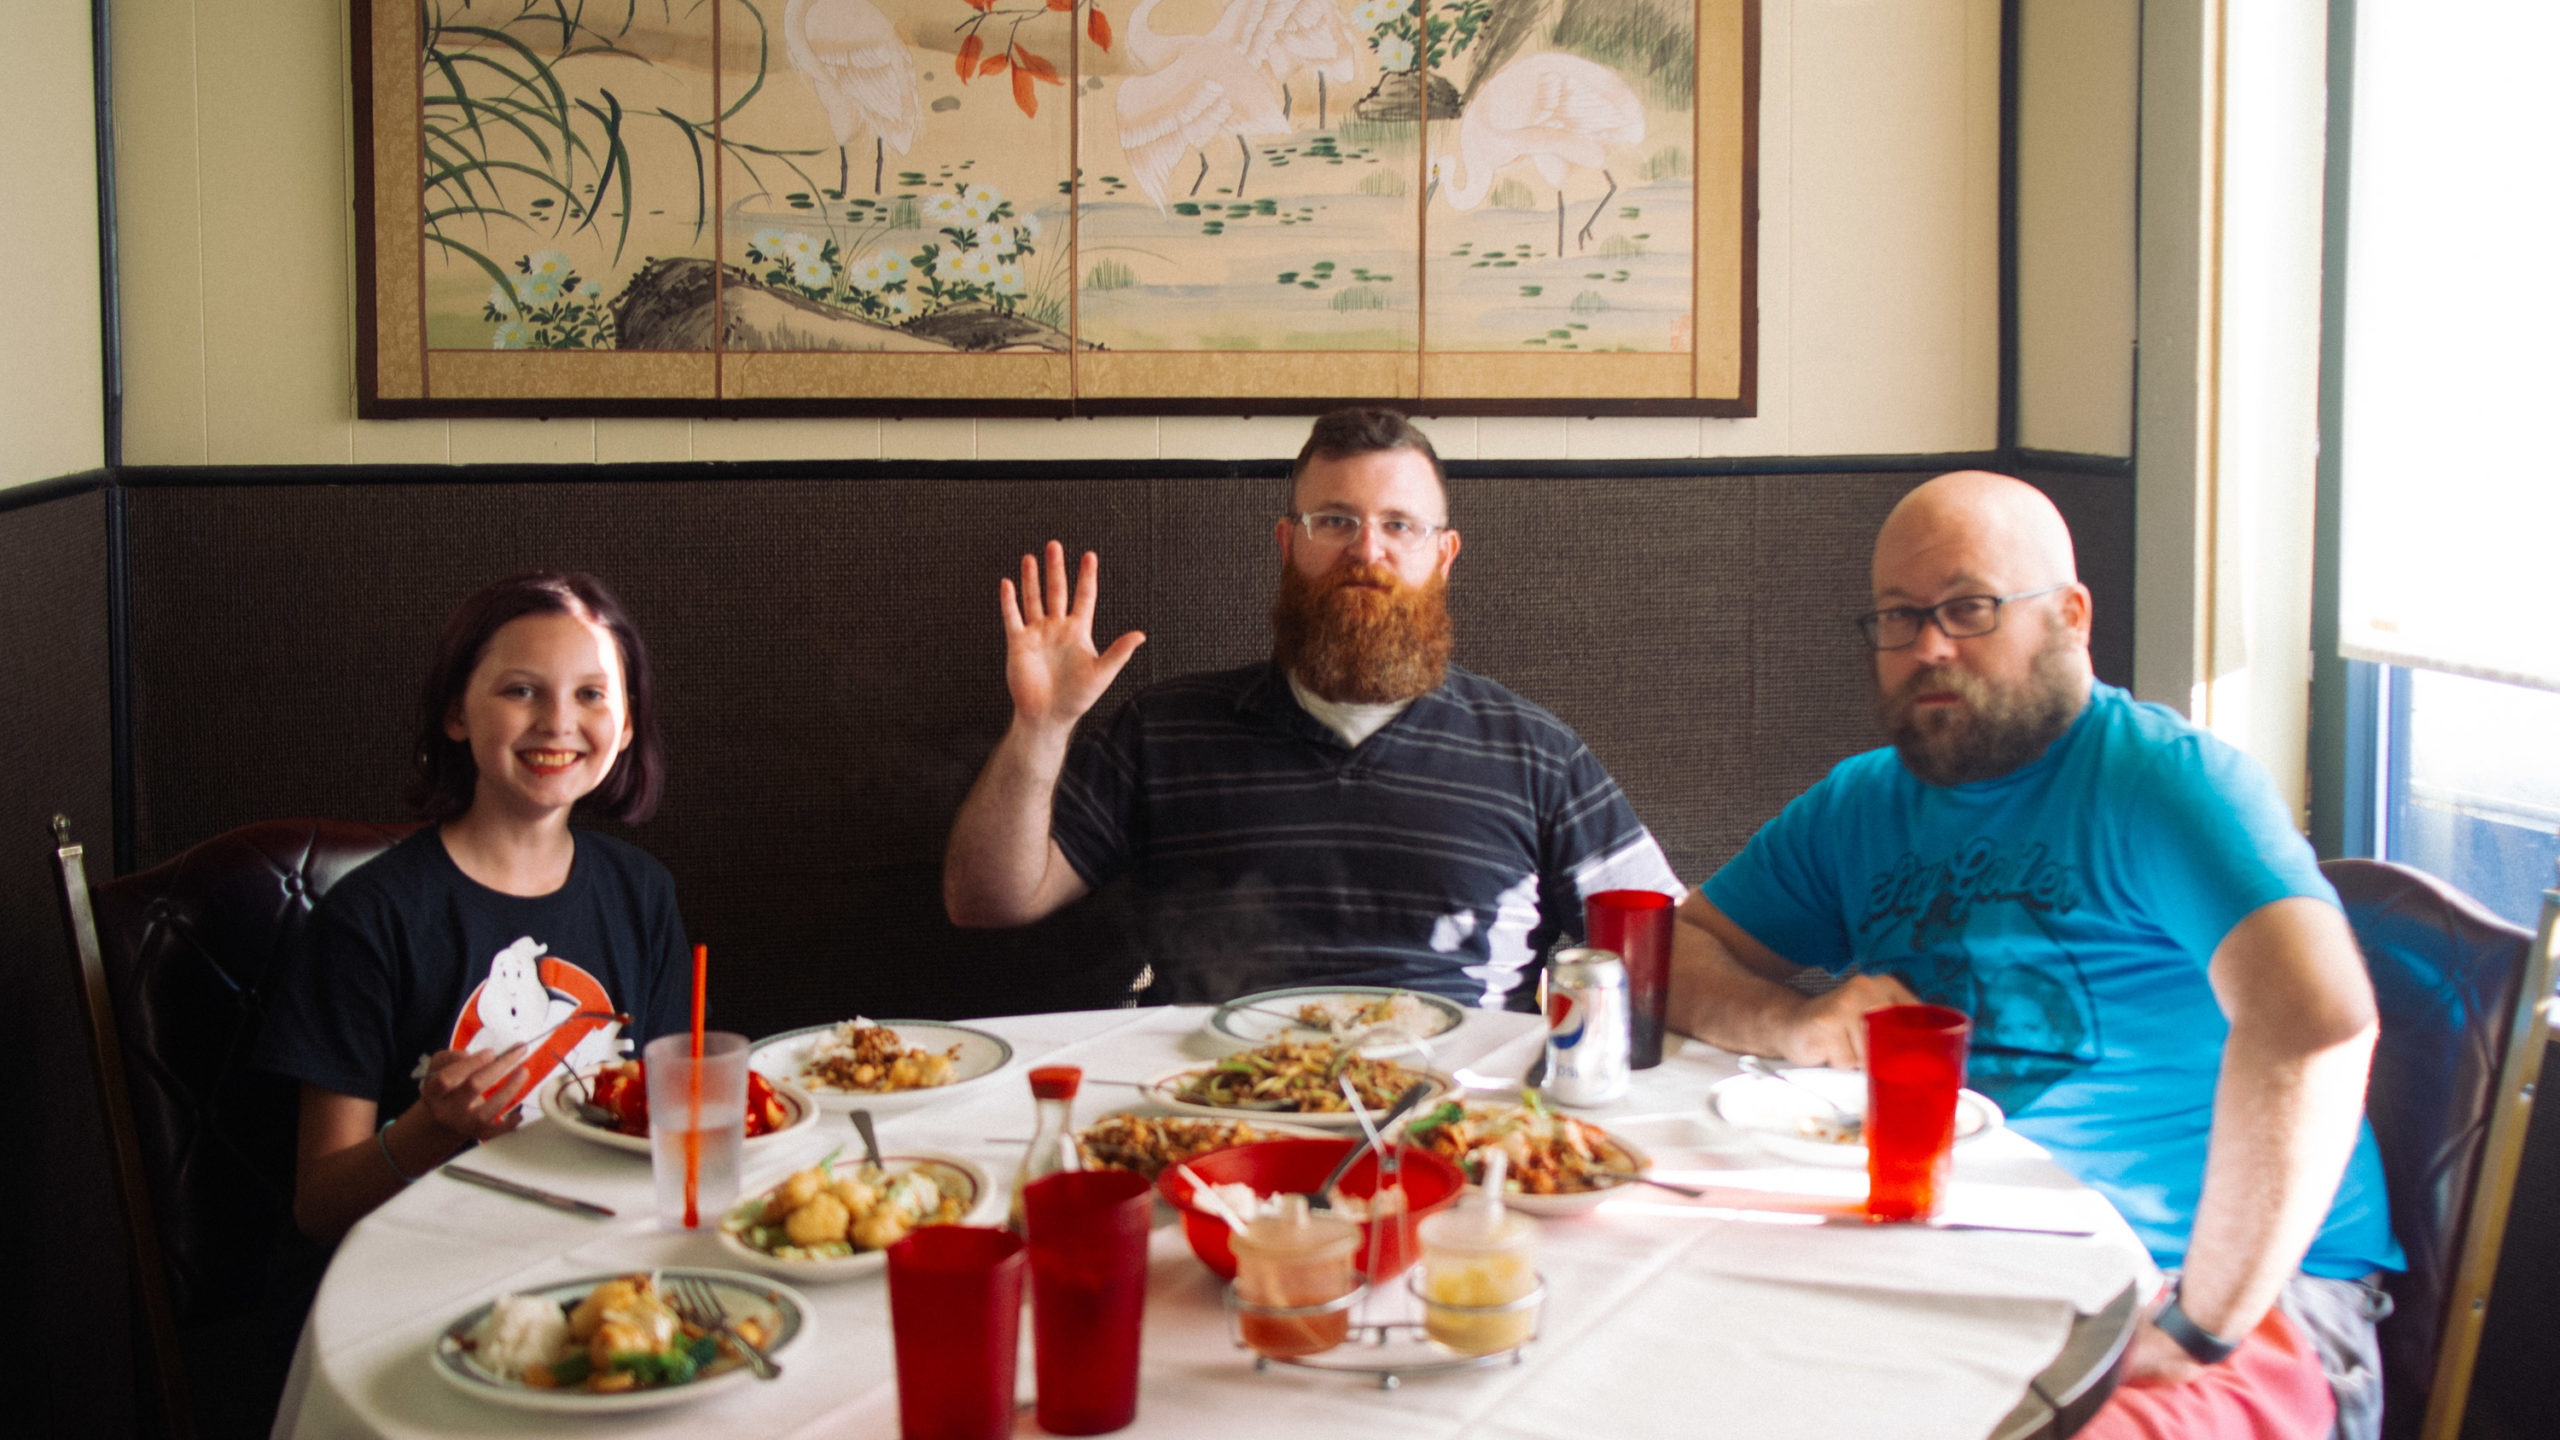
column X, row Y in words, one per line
column 1333, row 528
column 1962, row 618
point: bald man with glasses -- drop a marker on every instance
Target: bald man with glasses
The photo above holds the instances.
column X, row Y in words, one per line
column 2163, row 991
column 1355, row 810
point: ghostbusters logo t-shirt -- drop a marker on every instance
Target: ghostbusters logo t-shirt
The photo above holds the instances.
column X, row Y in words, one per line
column 407, row 956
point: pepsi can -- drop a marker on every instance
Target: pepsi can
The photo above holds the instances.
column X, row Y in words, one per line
column 1588, row 1051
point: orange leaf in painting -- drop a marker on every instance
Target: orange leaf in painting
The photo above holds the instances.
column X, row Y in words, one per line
column 1097, row 27
column 993, row 64
column 1062, row 4
column 979, row 4
column 1022, row 95
column 1038, row 68
column 967, row 64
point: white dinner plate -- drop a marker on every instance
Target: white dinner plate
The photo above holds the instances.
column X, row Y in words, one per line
column 740, row 1296
column 1272, row 1015
column 1266, row 1126
column 1629, row 1160
column 980, row 1207
column 561, row 1109
column 1159, row 1090
column 1775, row 1113
column 785, row 1056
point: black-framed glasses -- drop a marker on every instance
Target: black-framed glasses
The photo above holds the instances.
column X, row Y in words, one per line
column 1898, row 627
column 1338, row 528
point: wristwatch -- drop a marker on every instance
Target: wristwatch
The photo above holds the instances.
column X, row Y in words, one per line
column 2201, row 1345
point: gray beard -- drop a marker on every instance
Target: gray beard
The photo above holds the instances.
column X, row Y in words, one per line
column 1997, row 732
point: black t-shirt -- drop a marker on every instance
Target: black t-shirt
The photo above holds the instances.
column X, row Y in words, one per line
column 407, row 956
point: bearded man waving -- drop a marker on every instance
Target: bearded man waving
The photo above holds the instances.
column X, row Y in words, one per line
column 1354, row 811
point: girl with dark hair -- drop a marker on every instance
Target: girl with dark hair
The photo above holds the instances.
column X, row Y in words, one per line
column 446, row 978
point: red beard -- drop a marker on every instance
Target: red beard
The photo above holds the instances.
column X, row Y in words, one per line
column 1358, row 635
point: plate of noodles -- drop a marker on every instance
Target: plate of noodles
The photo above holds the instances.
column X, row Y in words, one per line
column 1290, row 1080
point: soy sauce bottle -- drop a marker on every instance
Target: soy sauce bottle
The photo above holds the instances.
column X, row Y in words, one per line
column 1053, row 1135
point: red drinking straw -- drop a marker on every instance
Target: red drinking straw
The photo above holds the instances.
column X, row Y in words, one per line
column 693, row 1097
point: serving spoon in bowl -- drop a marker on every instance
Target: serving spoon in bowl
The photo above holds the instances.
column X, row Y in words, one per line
column 1321, row 1197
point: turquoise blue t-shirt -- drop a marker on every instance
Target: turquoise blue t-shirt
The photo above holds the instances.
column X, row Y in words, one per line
column 2071, row 909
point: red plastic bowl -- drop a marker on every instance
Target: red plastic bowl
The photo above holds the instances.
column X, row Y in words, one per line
column 1275, row 1167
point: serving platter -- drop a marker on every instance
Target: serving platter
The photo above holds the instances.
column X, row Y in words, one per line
column 785, row 1057
column 1269, row 1015
column 560, row 1107
column 1779, row 1114
column 1623, row 1157
column 1163, row 1090
column 980, row 1206
column 739, row 1295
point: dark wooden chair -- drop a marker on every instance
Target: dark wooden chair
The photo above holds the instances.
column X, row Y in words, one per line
column 174, row 963
column 2464, row 996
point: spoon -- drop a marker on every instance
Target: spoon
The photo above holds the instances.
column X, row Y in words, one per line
column 870, row 1141
column 1321, row 1198
column 1853, row 1123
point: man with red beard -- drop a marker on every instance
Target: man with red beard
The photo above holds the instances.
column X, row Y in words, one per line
column 1354, row 811
column 2163, row 991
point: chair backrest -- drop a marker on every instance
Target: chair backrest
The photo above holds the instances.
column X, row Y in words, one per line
column 2461, row 994
column 186, row 951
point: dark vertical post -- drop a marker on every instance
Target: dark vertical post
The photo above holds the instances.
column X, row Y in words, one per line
column 2340, row 755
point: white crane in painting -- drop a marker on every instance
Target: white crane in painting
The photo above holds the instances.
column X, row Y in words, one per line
column 1195, row 89
column 863, row 73
column 1559, row 112
column 1283, row 37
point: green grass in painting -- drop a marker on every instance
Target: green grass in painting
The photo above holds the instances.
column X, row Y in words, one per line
column 1670, row 164
column 1619, row 247
column 1654, row 41
column 1108, row 274
column 1382, row 182
column 1590, row 302
column 1359, row 297
column 1510, row 194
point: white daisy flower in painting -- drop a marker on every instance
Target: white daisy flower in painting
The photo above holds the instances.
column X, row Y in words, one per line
column 768, row 241
column 502, row 299
column 548, row 265
column 977, row 267
column 1026, row 228
column 810, row 274
column 944, row 208
column 1370, row 14
column 590, row 291
column 979, row 204
column 798, row 249
column 536, row 290
column 1394, row 52
column 1009, row 280
column 879, row 269
column 512, row 335
column 898, row 304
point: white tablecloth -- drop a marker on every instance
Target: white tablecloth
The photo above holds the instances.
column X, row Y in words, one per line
column 1665, row 1316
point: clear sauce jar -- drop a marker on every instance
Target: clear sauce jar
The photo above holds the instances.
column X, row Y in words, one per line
column 1295, row 1261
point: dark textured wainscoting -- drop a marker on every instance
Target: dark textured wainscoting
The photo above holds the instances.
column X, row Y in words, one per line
column 831, row 670
column 62, row 1258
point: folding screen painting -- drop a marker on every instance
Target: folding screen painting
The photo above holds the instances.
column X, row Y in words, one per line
column 1055, row 206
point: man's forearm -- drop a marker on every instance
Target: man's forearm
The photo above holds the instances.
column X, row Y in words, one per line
column 2284, row 1125
column 999, row 851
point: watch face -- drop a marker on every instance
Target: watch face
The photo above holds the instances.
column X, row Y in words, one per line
column 2201, row 1345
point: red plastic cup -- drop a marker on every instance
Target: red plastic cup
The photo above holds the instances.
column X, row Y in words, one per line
column 1637, row 925
column 1088, row 1234
column 1915, row 1066
column 955, row 1309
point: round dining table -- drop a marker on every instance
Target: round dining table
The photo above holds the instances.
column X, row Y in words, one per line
column 1760, row 1307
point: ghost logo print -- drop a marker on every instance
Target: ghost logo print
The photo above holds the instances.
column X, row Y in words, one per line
column 529, row 995
column 1976, row 931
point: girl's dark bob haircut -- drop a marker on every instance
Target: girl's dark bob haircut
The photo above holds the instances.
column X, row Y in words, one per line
column 441, row 786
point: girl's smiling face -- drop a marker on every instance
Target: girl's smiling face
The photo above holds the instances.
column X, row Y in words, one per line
column 544, row 714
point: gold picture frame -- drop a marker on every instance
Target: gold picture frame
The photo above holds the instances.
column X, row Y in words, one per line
column 1052, row 207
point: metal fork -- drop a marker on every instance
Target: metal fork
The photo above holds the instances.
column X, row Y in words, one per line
column 696, row 1305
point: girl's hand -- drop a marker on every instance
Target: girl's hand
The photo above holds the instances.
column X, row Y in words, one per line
column 473, row 1094
column 1050, row 663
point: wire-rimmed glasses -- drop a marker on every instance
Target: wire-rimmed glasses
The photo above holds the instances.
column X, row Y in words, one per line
column 1337, row 528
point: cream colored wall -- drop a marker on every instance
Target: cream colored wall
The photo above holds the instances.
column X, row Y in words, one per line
column 2079, row 64
column 51, row 393
column 1879, row 259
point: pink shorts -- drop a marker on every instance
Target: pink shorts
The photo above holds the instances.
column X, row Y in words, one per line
column 2272, row 1388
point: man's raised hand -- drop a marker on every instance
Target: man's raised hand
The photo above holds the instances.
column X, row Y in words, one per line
column 1050, row 663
